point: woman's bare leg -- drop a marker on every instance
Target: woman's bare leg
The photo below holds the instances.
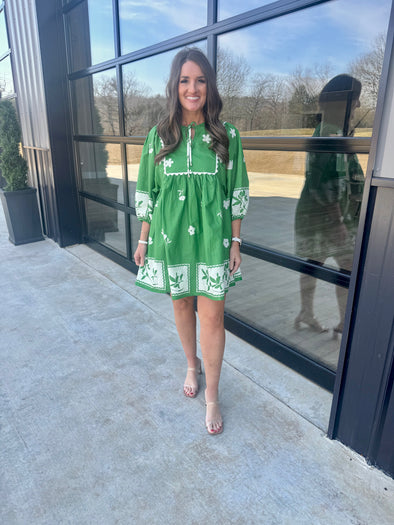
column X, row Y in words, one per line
column 185, row 320
column 212, row 340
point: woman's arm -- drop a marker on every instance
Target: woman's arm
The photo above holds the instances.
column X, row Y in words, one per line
column 235, row 253
column 140, row 252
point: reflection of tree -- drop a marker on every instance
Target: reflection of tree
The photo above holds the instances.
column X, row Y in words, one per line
column 106, row 100
column 259, row 101
column 304, row 88
column 141, row 110
column 232, row 75
column 368, row 68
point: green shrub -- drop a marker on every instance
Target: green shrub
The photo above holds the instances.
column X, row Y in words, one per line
column 12, row 165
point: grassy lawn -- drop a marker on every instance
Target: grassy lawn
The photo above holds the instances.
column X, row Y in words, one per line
column 265, row 162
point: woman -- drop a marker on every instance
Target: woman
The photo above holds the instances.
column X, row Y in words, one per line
column 328, row 210
column 191, row 195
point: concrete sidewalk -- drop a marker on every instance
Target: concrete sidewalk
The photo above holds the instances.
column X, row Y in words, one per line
column 95, row 429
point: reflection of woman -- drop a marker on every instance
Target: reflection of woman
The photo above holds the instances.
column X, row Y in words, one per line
column 328, row 209
column 191, row 195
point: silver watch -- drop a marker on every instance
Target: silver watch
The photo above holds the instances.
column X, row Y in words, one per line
column 237, row 239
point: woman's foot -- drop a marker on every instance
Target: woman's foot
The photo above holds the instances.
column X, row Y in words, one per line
column 190, row 388
column 213, row 419
column 311, row 321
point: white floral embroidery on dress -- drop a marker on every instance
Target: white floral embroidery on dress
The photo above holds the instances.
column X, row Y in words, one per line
column 226, row 243
column 233, row 132
column 230, row 164
column 179, row 278
column 150, row 149
column 150, row 240
column 191, row 230
column 213, row 280
column 206, row 138
column 226, row 204
column 240, row 202
column 181, row 196
column 165, row 236
column 168, row 163
column 152, row 274
column 143, row 205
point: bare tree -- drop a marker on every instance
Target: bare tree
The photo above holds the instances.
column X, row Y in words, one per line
column 305, row 85
column 232, row 76
column 367, row 68
column 257, row 99
column 106, row 101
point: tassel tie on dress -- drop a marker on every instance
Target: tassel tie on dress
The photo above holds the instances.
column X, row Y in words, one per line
column 189, row 147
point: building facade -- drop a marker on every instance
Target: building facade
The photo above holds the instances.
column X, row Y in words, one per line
column 309, row 84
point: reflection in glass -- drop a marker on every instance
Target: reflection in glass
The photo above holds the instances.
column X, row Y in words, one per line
column 145, row 23
column 328, row 210
column 90, row 33
column 270, row 80
column 133, row 154
column 227, row 8
column 144, row 87
column 96, row 104
column 106, row 225
column 3, row 34
column 269, row 300
column 6, row 80
column 101, row 170
column 276, row 181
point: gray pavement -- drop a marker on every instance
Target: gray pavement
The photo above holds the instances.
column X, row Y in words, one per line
column 95, row 429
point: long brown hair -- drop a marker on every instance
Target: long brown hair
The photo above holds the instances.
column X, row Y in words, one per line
column 169, row 128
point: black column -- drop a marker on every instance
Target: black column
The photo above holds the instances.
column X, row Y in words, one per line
column 54, row 65
column 364, row 418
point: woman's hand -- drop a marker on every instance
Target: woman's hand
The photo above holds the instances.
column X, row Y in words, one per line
column 139, row 254
column 235, row 257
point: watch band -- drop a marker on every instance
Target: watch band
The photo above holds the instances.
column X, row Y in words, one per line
column 237, row 239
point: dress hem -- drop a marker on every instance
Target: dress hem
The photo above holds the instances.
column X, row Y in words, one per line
column 182, row 296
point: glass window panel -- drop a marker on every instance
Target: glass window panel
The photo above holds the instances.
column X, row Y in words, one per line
column 6, row 81
column 269, row 299
column 3, row 34
column 145, row 23
column 133, row 154
column 90, row 33
column 101, row 170
column 271, row 75
column 227, row 8
column 144, row 86
column 96, row 104
column 299, row 208
column 106, row 225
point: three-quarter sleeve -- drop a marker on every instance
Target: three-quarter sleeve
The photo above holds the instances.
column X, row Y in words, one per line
column 147, row 184
column 237, row 177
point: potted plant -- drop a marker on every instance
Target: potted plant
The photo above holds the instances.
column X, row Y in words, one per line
column 18, row 199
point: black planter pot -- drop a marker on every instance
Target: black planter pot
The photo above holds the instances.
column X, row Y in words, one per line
column 22, row 216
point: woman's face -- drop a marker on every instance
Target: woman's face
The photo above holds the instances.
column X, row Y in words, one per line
column 192, row 89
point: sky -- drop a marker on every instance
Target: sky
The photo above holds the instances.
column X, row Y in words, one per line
column 333, row 33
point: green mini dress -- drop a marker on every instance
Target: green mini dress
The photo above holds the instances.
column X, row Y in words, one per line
column 190, row 199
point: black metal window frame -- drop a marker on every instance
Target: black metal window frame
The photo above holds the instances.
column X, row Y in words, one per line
column 7, row 53
column 318, row 373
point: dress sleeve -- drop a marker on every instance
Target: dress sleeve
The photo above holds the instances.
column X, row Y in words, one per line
column 237, row 177
column 147, row 188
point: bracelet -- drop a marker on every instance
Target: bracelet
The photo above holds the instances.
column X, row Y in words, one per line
column 142, row 242
column 237, row 239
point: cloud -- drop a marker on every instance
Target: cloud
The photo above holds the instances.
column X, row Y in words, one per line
column 362, row 20
column 180, row 14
